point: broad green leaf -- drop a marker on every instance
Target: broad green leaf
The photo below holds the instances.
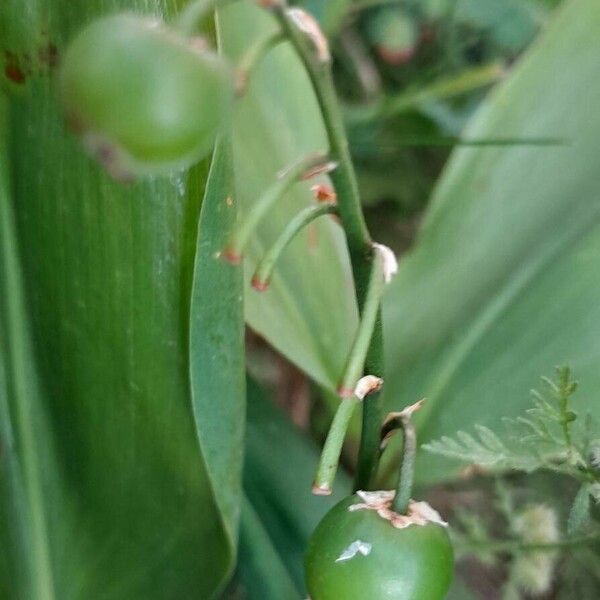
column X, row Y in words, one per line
column 278, row 474
column 28, row 471
column 261, row 571
column 107, row 273
column 309, row 313
column 217, row 344
column 502, row 284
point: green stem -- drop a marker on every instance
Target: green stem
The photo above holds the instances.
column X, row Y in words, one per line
column 512, row 546
column 193, row 14
column 355, row 362
column 350, row 211
column 278, row 189
column 447, row 87
column 332, row 450
column 251, row 59
column 262, row 275
column 407, row 469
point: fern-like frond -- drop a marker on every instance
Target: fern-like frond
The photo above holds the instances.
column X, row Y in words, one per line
column 544, row 437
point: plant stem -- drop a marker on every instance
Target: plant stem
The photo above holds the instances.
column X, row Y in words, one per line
column 332, row 449
column 350, row 211
column 508, row 546
column 194, row 12
column 251, row 59
column 282, row 184
column 407, row 469
column 355, row 362
column 264, row 270
column 447, row 87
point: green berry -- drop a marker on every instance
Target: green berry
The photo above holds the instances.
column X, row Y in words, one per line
column 145, row 99
column 357, row 554
column 393, row 34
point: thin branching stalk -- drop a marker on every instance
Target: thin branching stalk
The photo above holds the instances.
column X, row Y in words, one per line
column 311, row 46
column 332, row 449
column 362, row 340
column 253, row 57
column 285, row 180
column 264, row 270
column 409, row 453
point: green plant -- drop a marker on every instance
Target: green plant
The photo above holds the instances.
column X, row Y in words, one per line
column 122, row 390
column 144, row 98
column 549, row 438
column 382, row 544
column 357, row 553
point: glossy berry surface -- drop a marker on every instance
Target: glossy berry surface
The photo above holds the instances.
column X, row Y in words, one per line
column 358, row 555
column 145, row 99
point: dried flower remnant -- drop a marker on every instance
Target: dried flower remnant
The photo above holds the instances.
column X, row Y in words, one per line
column 390, row 263
column 419, row 513
column 369, row 384
column 323, row 193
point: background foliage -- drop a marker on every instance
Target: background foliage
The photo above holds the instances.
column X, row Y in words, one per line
column 122, row 390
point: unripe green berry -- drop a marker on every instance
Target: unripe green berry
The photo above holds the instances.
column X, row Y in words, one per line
column 145, row 99
column 362, row 550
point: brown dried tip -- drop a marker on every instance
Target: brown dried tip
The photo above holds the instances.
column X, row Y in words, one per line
column 396, row 57
column 241, row 83
column 310, row 27
column 409, row 411
column 231, row 256
column 321, row 490
column 369, row 384
column 419, row 513
column 471, row 471
column 323, row 193
column 259, row 285
column 344, row 392
column 321, row 169
column 268, row 3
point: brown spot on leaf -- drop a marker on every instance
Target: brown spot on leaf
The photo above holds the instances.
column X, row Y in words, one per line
column 48, row 55
column 14, row 73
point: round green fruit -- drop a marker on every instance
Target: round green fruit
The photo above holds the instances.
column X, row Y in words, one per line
column 145, row 99
column 362, row 550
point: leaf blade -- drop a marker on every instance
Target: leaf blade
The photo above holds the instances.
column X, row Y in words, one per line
column 499, row 287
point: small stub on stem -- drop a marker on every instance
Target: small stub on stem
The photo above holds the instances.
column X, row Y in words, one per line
column 393, row 422
column 330, row 456
column 321, row 490
column 310, row 27
column 269, row 4
column 259, row 285
column 390, row 263
column 231, row 256
column 323, row 193
column 321, row 169
column 369, row 384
